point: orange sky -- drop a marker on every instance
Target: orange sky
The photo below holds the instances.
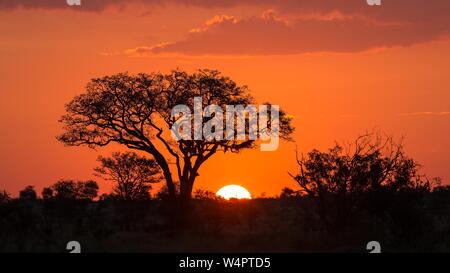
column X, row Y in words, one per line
column 340, row 70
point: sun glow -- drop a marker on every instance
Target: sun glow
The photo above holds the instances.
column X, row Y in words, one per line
column 233, row 191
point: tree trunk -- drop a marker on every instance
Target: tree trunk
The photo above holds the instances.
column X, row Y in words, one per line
column 167, row 175
column 170, row 184
column 185, row 192
column 187, row 184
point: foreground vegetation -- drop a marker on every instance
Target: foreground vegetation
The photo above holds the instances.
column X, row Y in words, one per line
column 346, row 197
column 402, row 221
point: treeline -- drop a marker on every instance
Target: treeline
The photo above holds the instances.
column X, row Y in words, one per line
column 131, row 175
column 406, row 220
column 346, row 196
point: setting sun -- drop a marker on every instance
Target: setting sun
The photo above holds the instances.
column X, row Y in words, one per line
column 234, row 191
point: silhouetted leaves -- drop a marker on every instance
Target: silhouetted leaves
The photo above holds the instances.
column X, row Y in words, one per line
column 28, row 193
column 71, row 190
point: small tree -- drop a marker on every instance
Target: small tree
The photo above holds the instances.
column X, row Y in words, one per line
column 47, row 193
column 65, row 190
column 87, row 190
column 71, row 190
column 131, row 173
column 28, row 193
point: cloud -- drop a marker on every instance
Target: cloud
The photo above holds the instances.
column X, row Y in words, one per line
column 394, row 10
column 410, row 10
column 301, row 27
column 435, row 114
column 326, row 5
column 273, row 34
column 86, row 5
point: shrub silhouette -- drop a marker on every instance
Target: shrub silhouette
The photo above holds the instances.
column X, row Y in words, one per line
column 71, row 190
column 47, row 193
column 28, row 193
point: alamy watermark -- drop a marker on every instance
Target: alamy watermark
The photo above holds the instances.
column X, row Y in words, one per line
column 73, row 2
column 73, row 247
column 236, row 123
column 373, row 2
column 373, row 247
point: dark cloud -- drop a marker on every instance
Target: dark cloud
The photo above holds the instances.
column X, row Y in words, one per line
column 86, row 5
column 393, row 9
column 390, row 10
column 273, row 34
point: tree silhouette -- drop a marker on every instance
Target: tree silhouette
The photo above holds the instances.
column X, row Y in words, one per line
column 65, row 190
column 71, row 190
column 135, row 111
column 133, row 174
column 341, row 178
column 203, row 194
column 47, row 193
column 87, row 190
column 28, row 193
column 287, row 192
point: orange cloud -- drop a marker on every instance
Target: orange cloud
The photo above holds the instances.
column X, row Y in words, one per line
column 218, row 19
column 436, row 114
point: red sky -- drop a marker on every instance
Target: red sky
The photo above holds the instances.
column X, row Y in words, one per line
column 340, row 67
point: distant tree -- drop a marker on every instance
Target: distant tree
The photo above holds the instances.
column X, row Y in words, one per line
column 71, row 190
column 135, row 111
column 4, row 197
column 203, row 194
column 131, row 173
column 28, row 193
column 87, row 189
column 444, row 189
column 107, row 196
column 47, row 193
column 65, row 189
column 287, row 192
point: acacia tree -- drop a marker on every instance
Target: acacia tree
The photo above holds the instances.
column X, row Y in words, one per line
column 135, row 111
column 133, row 174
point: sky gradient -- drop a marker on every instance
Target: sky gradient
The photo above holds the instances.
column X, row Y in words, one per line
column 339, row 67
